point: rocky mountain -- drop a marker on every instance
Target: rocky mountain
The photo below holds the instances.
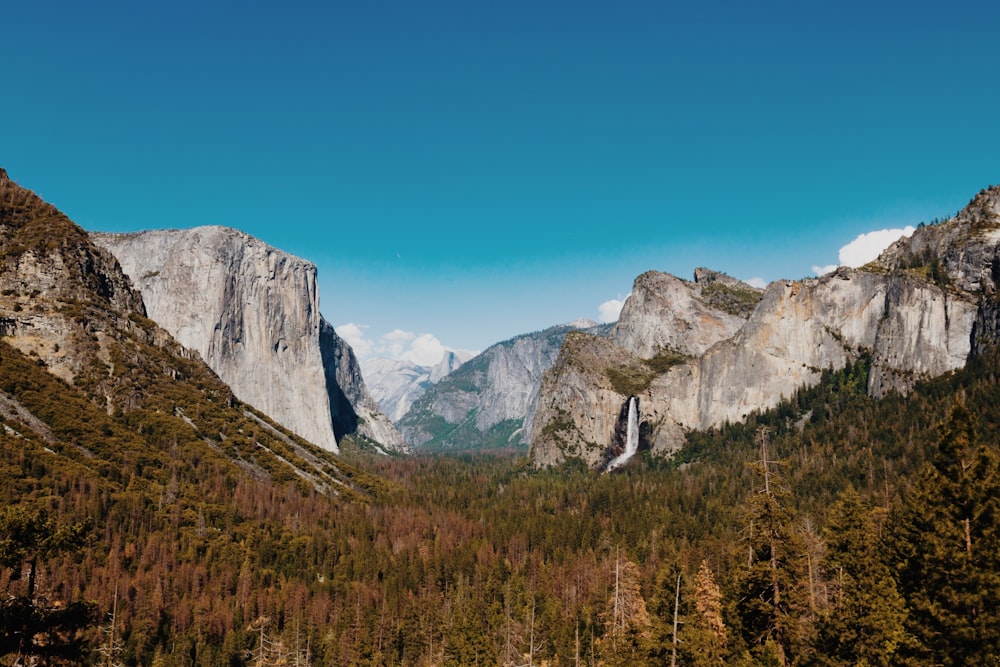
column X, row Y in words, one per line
column 396, row 383
column 703, row 353
column 667, row 313
column 488, row 401
column 252, row 313
column 91, row 387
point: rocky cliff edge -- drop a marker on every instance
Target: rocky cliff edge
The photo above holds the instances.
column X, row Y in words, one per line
column 252, row 312
column 697, row 357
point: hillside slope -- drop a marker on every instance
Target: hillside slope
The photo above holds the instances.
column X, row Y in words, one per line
column 68, row 311
column 107, row 420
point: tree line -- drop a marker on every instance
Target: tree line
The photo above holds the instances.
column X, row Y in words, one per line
column 833, row 530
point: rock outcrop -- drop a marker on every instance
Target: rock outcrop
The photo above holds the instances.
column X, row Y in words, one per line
column 667, row 313
column 57, row 287
column 666, row 322
column 962, row 253
column 488, row 402
column 915, row 313
column 252, row 313
column 573, row 417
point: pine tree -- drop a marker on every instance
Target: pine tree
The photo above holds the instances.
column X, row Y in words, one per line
column 771, row 583
column 864, row 624
column 704, row 636
column 627, row 619
column 32, row 626
column 947, row 543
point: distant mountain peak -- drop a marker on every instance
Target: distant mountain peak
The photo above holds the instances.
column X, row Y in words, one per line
column 583, row 323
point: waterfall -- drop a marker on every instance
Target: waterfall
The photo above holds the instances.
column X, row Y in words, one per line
column 631, row 437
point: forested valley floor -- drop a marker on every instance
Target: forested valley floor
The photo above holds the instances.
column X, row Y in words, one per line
column 834, row 530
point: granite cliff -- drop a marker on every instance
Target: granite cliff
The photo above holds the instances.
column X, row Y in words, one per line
column 699, row 354
column 89, row 384
column 489, row 401
column 252, row 313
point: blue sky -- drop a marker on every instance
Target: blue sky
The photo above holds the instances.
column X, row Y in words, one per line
column 475, row 170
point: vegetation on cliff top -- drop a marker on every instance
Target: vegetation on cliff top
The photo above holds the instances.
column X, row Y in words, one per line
column 732, row 299
column 635, row 378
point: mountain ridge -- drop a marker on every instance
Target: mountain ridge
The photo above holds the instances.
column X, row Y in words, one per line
column 915, row 311
column 488, row 402
column 396, row 383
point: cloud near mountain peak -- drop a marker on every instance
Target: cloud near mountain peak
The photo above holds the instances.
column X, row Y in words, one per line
column 420, row 349
column 866, row 248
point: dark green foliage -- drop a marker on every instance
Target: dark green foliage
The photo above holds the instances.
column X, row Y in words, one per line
column 664, row 361
column 771, row 603
column 634, row 379
column 947, row 548
column 55, row 635
column 732, row 299
column 864, row 621
column 928, row 266
column 28, row 536
column 630, row 380
column 34, row 626
column 466, row 436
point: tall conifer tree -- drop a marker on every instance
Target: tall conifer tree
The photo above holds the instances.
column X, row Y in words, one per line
column 947, row 543
column 864, row 624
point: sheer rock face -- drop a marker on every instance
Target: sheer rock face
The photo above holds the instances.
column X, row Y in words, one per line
column 513, row 378
column 986, row 331
column 578, row 407
column 252, row 313
column 352, row 409
column 489, row 400
column 917, row 312
column 968, row 246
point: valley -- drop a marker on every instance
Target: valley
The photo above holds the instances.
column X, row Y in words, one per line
column 801, row 475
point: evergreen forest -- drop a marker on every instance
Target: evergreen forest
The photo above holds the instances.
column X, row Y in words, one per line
column 834, row 530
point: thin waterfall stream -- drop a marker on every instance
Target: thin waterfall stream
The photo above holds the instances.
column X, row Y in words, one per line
column 631, row 437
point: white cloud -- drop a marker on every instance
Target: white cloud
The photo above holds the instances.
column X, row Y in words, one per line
column 757, row 281
column 398, row 335
column 610, row 310
column 865, row 248
column 425, row 350
column 395, row 343
column 354, row 334
column 868, row 246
